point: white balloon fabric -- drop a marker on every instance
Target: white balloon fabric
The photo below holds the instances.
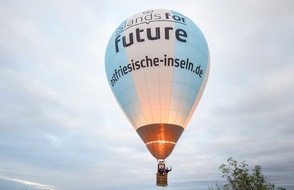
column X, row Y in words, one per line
column 157, row 65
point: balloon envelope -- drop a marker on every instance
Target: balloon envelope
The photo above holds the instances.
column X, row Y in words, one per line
column 157, row 65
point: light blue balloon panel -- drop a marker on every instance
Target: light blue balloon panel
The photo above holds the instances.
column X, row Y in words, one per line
column 123, row 87
column 186, row 83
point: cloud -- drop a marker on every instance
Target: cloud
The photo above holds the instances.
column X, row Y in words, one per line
column 60, row 124
column 31, row 184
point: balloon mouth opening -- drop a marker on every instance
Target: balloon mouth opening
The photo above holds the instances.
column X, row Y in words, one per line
column 160, row 138
column 160, row 141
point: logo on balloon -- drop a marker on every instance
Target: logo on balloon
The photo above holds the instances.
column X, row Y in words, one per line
column 155, row 62
column 150, row 16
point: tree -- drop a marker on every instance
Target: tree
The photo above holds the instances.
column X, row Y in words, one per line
column 239, row 178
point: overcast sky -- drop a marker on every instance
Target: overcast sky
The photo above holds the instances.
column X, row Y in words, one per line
column 61, row 128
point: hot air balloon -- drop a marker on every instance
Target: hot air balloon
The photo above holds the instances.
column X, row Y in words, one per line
column 157, row 65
